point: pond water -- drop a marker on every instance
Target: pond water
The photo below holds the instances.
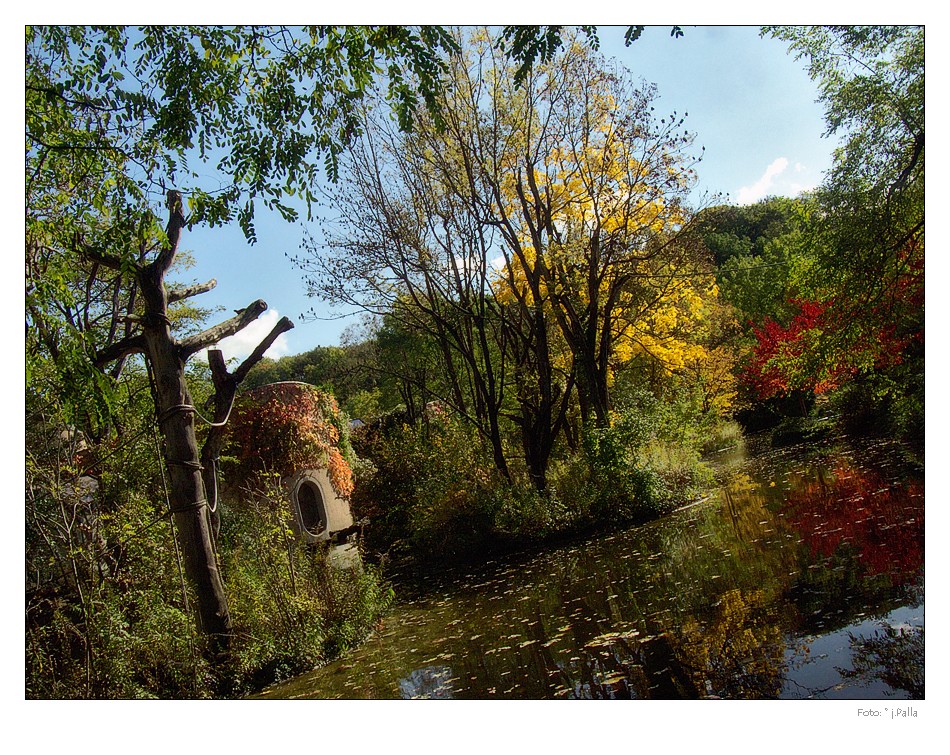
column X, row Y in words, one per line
column 801, row 577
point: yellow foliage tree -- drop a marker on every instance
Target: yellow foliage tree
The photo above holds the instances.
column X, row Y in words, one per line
column 592, row 211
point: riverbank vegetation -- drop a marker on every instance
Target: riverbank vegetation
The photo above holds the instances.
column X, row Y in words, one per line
column 109, row 611
column 556, row 331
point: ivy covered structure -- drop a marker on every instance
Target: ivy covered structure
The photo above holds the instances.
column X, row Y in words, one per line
column 296, row 433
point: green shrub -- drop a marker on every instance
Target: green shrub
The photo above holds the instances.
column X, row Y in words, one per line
column 646, row 462
column 127, row 647
column 429, row 492
column 105, row 613
column 723, row 435
column 292, row 609
column 524, row 514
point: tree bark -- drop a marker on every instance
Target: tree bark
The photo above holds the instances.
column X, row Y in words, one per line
column 187, row 496
column 166, row 358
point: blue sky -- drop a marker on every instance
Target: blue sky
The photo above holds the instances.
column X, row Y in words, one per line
column 750, row 104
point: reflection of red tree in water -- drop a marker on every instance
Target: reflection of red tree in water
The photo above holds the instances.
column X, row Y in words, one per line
column 881, row 520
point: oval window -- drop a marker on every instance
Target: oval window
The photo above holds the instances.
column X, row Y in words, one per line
column 313, row 515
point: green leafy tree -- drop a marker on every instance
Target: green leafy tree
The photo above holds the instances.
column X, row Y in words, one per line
column 729, row 230
column 871, row 80
column 346, row 371
column 762, row 252
column 868, row 248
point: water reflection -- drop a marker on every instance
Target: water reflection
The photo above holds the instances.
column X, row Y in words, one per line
column 776, row 587
column 432, row 682
column 893, row 655
column 738, row 652
column 861, row 516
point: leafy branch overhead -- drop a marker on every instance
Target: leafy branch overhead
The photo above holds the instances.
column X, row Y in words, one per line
column 265, row 107
column 232, row 119
column 530, row 45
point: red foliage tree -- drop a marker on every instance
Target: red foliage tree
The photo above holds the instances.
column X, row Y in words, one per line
column 826, row 343
column 785, row 359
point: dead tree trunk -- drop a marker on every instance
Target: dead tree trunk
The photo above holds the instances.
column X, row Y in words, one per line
column 166, row 357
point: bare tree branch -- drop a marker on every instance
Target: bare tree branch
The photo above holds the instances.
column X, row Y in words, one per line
column 176, row 222
column 119, row 349
column 282, row 326
column 178, row 294
column 227, row 328
column 225, row 389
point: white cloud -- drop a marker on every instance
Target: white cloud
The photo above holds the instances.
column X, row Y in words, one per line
column 241, row 344
column 760, row 189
